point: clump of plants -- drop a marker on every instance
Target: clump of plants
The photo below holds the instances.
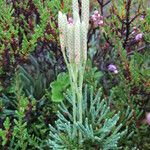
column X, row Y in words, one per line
column 90, row 123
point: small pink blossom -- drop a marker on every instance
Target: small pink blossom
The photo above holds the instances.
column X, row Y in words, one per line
column 96, row 12
column 97, row 19
column 148, row 118
column 113, row 68
column 125, row 31
column 93, row 18
column 101, row 22
column 70, row 20
column 142, row 17
column 138, row 37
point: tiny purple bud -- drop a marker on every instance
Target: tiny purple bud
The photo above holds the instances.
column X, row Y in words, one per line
column 138, row 37
column 142, row 17
column 125, row 31
column 113, row 68
column 148, row 118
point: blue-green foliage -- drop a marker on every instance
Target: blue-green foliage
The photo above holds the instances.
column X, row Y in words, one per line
column 99, row 128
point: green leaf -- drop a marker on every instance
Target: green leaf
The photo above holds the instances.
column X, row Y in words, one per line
column 57, row 96
column 7, row 123
column 59, row 86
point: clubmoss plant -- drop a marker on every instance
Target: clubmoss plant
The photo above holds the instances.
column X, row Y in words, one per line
column 73, row 40
column 90, row 123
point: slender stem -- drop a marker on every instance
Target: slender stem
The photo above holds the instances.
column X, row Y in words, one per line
column 107, row 3
column 80, row 96
column 73, row 93
column 71, row 76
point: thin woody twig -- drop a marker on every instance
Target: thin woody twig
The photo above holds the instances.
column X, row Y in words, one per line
column 134, row 17
column 106, row 3
column 140, row 49
column 128, row 5
column 101, row 6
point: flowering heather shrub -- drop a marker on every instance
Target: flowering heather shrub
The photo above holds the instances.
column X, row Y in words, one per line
column 80, row 128
column 123, row 41
column 24, row 25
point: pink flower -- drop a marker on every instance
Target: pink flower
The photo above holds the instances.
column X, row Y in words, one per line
column 94, row 18
column 101, row 22
column 148, row 118
column 142, row 17
column 138, row 37
column 70, row 20
column 97, row 19
column 96, row 12
column 113, row 68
